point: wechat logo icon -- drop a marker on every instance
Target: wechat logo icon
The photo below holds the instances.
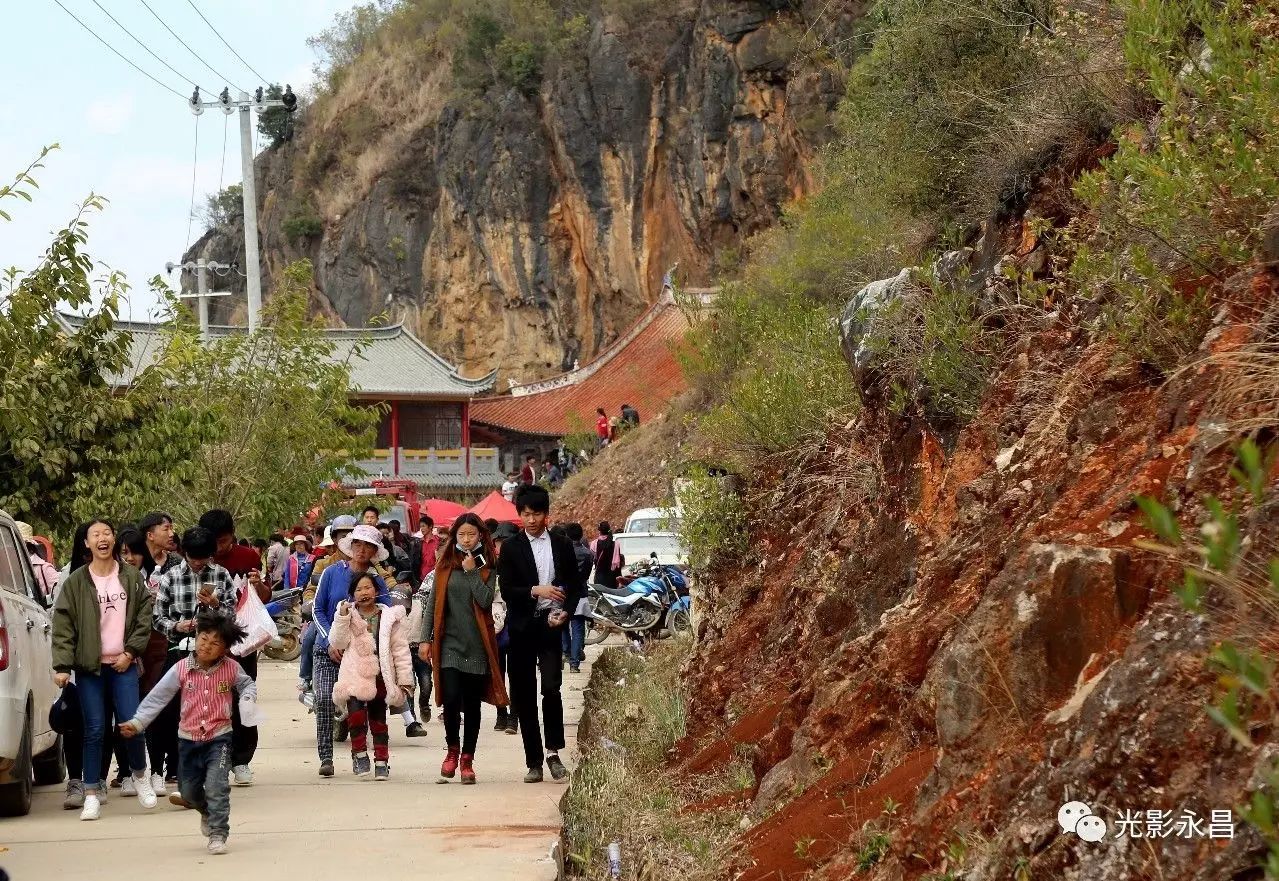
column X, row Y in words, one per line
column 1077, row 817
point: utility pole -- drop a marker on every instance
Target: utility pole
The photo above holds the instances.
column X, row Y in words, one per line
column 201, row 268
column 248, row 188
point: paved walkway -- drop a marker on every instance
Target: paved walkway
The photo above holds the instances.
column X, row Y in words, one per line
column 294, row 825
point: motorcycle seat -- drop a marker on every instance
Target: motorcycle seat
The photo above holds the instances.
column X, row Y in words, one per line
column 612, row 591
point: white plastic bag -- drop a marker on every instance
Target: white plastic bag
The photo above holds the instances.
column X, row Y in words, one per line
column 254, row 618
column 251, row 715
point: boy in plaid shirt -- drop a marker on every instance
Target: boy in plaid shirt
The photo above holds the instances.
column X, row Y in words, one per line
column 207, row 682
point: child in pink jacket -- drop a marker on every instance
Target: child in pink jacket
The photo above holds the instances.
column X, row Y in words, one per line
column 376, row 672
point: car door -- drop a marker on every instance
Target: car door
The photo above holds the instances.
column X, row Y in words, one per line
column 30, row 631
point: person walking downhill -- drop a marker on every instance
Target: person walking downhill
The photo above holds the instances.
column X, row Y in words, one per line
column 101, row 624
column 132, row 548
column 459, row 639
column 507, row 718
column 157, row 526
column 461, row 642
column 376, row 672
column 241, row 560
column 297, row 565
column 277, row 555
column 361, row 546
column 195, row 584
column 326, row 553
column 206, row 681
column 575, row 633
column 73, row 737
column 539, row 579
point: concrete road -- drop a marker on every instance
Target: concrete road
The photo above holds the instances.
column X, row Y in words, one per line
column 292, row 824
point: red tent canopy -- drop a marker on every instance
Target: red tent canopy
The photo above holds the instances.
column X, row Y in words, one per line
column 495, row 506
column 441, row 511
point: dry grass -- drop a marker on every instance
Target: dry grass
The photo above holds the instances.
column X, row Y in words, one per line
column 620, row 791
column 392, row 87
column 1248, row 397
column 821, row 479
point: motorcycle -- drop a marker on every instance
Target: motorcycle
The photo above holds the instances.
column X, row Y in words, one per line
column 655, row 598
column 284, row 610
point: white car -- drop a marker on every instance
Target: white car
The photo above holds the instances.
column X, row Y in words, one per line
column 638, row 547
column 653, row 520
column 29, row 749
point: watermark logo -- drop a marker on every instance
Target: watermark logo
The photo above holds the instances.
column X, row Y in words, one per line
column 1076, row 817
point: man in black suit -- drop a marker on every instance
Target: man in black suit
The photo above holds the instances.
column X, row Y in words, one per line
column 540, row 580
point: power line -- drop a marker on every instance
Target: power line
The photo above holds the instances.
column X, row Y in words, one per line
column 145, row 46
column 195, row 164
column 220, row 76
column 260, row 77
column 117, row 52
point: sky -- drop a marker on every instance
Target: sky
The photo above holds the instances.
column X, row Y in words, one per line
column 121, row 135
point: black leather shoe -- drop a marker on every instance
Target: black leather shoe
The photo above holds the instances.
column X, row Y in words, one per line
column 534, row 775
column 558, row 771
column 326, row 769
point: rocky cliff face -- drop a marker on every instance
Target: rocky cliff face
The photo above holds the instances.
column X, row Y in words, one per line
column 979, row 638
column 527, row 233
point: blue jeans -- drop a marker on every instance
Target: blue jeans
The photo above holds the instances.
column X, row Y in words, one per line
column 307, row 667
column 575, row 635
column 422, row 672
column 93, row 689
column 203, row 766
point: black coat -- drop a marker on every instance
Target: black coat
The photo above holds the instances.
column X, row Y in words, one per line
column 517, row 576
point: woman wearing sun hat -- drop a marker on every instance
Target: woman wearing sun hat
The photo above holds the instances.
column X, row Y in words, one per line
column 297, row 567
column 362, row 548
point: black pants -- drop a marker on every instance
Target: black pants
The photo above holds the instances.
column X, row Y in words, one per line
column 462, row 694
column 162, row 735
column 244, row 738
column 537, row 649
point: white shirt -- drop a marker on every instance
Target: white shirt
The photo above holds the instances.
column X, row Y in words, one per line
column 543, row 556
column 545, row 560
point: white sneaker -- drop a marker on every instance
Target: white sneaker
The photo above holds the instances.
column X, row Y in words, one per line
column 242, row 775
column 92, row 807
column 217, row 845
column 146, row 795
column 127, row 787
column 158, row 787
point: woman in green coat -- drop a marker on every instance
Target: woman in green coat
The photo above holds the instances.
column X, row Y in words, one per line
column 101, row 626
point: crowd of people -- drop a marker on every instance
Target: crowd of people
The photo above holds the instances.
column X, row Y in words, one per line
column 145, row 621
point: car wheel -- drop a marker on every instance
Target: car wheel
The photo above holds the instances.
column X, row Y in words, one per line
column 50, row 766
column 15, row 797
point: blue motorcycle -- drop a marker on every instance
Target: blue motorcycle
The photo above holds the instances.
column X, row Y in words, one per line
column 656, row 598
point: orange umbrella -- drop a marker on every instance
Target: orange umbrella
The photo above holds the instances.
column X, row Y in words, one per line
column 441, row 511
column 494, row 506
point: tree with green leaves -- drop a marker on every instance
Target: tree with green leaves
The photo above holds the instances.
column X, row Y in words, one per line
column 280, row 425
column 275, row 123
column 259, row 424
column 71, row 447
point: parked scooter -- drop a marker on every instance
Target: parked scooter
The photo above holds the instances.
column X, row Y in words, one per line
column 655, row 599
column 285, row 610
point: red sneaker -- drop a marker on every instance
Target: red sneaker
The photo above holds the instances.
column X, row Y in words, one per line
column 468, row 773
column 449, row 767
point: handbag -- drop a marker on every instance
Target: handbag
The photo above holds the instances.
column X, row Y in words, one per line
column 257, row 622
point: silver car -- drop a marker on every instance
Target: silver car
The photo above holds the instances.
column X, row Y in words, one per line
column 30, row 751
